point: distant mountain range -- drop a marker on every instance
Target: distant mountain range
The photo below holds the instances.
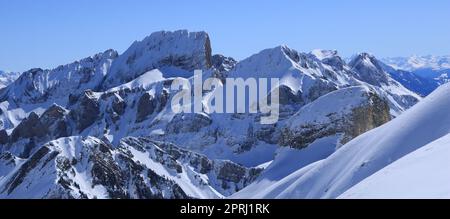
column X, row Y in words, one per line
column 103, row 127
column 431, row 71
column 7, row 78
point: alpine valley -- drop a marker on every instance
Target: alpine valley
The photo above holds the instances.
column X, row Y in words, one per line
column 103, row 126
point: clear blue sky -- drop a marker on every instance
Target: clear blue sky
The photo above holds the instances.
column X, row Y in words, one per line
column 47, row 33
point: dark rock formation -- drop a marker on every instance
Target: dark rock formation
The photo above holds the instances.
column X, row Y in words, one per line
column 146, row 106
column 184, row 123
column 87, row 111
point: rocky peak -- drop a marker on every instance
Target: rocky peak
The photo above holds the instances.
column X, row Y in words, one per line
column 322, row 54
column 181, row 49
column 223, row 63
column 330, row 57
column 369, row 69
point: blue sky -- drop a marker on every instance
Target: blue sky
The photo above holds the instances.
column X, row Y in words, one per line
column 47, row 33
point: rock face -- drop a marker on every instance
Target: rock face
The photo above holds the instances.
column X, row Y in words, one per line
column 222, row 63
column 78, row 167
column 29, row 128
column 185, row 123
column 35, row 129
column 4, row 138
column 368, row 69
column 225, row 177
column 118, row 104
column 350, row 112
column 146, row 106
column 180, row 49
column 87, row 111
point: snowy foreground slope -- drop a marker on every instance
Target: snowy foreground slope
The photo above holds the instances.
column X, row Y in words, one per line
column 424, row 123
column 421, row 174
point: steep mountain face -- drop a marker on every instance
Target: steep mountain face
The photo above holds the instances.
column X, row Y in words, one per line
column 178, row 51
column 87, row 167
column 222, row 63
column 366, row 154
column 103, row 126
column 348, row 111
column 7, row 78
column 368, row 69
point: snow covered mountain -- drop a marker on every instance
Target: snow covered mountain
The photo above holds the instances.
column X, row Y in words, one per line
column 369, row 69
column 419, row 62
column 367, row 154
column 181, row 52
column 38, row 89
column 87, row 167
column 412, row 81
column 103, row 126
column 38, row 85
column 436, row 68
column 7, row 78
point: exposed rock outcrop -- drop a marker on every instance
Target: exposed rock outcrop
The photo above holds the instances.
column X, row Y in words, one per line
column 86, row 167
column 180, row 49
column 146, row 106
column 185, row 123
column 87, row 110
column 350, row 112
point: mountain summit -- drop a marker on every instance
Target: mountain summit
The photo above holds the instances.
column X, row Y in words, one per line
column 183, row 50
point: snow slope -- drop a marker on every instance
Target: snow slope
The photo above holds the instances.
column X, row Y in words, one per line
column 420, row 174
column 365, row 155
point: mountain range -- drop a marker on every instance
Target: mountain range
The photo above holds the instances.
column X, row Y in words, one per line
column 103, row 127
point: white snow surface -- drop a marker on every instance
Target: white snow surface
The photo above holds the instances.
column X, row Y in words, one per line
column 421, row 174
